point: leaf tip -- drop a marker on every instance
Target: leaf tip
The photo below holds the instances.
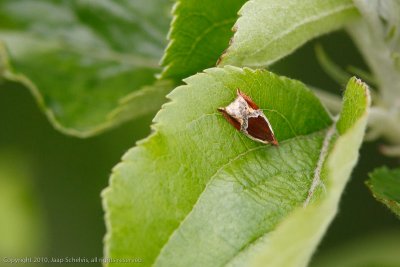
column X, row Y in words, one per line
column 356, row 102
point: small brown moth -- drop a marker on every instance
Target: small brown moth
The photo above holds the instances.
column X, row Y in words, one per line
column 247, row 118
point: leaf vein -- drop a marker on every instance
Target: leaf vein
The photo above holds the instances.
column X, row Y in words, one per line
column 322, row 156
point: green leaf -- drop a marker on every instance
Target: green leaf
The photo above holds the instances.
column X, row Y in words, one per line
column 270, row 30
column 385, row 186
column 293, row 242
column 356, row 102
column 199, row 193
column 79, row 58
column 199, row 33
column 378, row 250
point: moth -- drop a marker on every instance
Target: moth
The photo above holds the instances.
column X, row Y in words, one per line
column 248, row 118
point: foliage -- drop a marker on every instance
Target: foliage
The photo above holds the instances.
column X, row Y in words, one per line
column 385, row 186
column 97, row 49
column 239, row 195
column 197, row 192
column 261, row 37
column 197, row 36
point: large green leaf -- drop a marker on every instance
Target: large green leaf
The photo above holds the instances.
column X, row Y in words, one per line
column 79, row 58
column 270, row 30
column 199, row 33
column 199, row 193
column 385, row 186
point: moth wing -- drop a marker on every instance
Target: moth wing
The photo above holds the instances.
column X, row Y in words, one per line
column 258, row 128
column 249, row 101
column 230, row 119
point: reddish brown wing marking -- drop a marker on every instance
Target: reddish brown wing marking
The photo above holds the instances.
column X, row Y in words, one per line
column 230, row 119
column 259, row 128
column 249, row 101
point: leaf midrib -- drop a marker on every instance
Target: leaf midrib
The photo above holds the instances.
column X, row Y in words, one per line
column 321, row 159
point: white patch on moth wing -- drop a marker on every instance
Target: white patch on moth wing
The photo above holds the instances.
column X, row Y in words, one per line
column 244, row 125
column 239, row 109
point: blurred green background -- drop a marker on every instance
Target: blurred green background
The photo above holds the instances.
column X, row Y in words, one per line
column 53, row 205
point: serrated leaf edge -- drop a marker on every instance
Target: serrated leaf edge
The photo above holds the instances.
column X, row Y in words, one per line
column 157, row 124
